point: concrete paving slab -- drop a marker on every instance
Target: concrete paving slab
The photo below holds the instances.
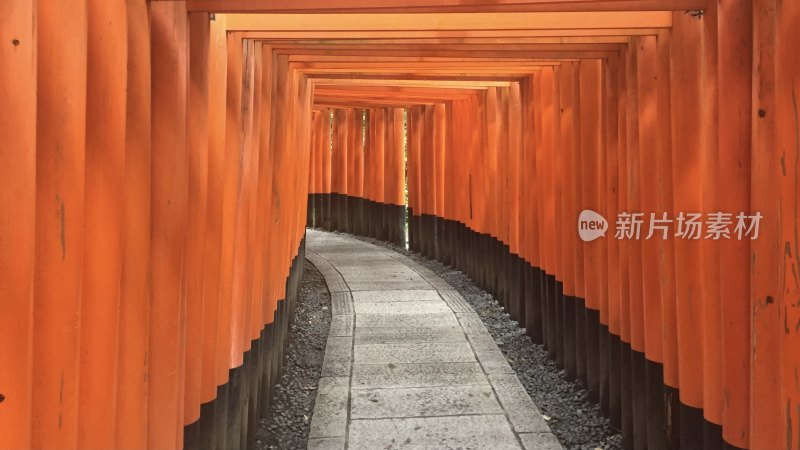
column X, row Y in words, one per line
column 387, row 277
column 396, row 296
column 338, row 357
column 472, row 324
column 341, row 303
column 335, row 283
column 408, row 335
column 326, row 443
column 455, row 301
column 423, row 402
column 330, row 408
column 371, row 376
column 524, row 415
column 389, row 285
column 492, row 360
column 414, row 368
column 453, row 432
column 342, row 325
column 424, row 307
column 406, row 320
column 540, row 441
column 412, row 353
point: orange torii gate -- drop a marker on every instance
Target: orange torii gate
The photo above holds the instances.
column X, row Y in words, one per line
column 150, row 264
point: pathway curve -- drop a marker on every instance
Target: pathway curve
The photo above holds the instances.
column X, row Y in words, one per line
column 408, row 363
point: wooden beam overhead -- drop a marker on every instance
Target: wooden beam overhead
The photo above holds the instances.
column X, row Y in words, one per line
column 450, row 34
column 449, row 21
column 356, row 6
column 361, row 83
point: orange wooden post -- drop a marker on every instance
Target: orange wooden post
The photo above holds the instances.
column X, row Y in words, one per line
column 713, row 396
column 104, row 192
column 217, row 98
column 591, row 151
column 614, row 293
column 666, row 247
column 450, row 191
column 17, row 249
column 339, row 173
column 648, row 125
column 787, row 73
column 768, row 414
column 353, row 136
column 551, row 140
column 252, row 296
column 568, row 118
column 230, row 198
column 378, row 142
column 415, row 132
column 358, row 171
column 443, row 148
column 197, row 130
column 533, row 308
column 515, row 148
column 312, row 168
column 168, row 214
column 427, row 182
column 626, row 416
column 243, row 248
column 60, row 142
column 634, row 249
column 735, row 59
column 327, row 154
column 132, row 397
column 686, row 144
column 315, row 181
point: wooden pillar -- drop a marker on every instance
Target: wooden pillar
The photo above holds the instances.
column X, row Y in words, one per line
column 197, row 147
column 686, row 166
column 768, row 415
column 212, row 306
column 61, row 34
column 168, row 214
column 132, row 397
column 735, row 62
column 104, row 193
column 788, row 137
column 17, row 249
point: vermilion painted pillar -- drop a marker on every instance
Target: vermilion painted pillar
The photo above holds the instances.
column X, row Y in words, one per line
column 132, row 396
column 197, row 130
column 769, row 422
column 168, row 213
column 17, row 248
column 788, row 137
column 61, row 34
column 217, row 98
column 104, row 192
column 735, row 62
column 686, row 167
column 592, row 150
column 611, row 112
column 713, row 395
column 666, row 247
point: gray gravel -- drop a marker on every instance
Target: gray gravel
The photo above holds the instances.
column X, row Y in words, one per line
column 576, row 422
column 288, row 423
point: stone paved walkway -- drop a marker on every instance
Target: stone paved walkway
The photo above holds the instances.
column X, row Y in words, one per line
column 408, row 364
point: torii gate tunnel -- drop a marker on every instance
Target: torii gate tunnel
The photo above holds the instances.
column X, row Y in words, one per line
column 160, row 161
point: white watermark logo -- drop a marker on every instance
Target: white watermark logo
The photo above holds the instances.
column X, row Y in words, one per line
column 591, row 225
column 688, row 226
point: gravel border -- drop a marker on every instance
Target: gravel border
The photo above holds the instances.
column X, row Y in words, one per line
column 577, row 423
column 289, row 420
